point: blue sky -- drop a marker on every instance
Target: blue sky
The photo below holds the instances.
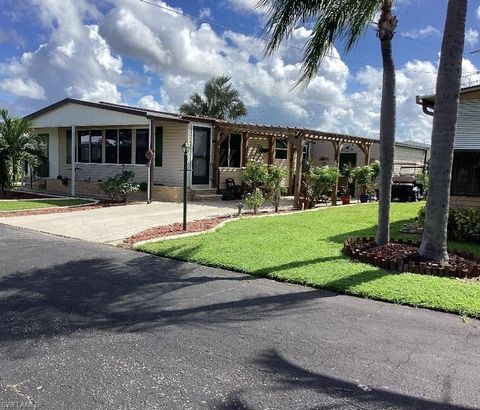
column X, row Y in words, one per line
column 127, row 51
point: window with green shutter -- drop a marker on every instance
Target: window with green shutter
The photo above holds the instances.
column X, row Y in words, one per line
column 158, row 146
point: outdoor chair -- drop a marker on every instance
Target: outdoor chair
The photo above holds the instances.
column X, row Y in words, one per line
column 236, row 190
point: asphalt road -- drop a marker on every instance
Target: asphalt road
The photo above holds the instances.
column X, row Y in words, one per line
column 88, row 326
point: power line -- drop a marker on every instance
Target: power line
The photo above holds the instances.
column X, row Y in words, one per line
column 262, row 39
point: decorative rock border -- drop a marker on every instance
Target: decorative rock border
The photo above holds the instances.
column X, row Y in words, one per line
column 463, row 264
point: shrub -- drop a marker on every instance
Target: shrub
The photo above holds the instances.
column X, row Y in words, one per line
column 423, row 178
column 463, row 223
column 317, row 181
column 143, row 186
column 119, row 186
column 274, row 184
column 255, row 199
column 255, row 175
column 365, row 178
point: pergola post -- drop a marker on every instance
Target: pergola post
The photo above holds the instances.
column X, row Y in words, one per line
column 365, row 148
column 271, row 151
column 298, row 173
column 73, row 159
column 244, row 148
column 291, row 171
column 337, row 147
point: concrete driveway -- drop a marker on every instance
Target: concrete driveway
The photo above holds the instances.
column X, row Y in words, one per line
column 112, row 225
column 89, row 326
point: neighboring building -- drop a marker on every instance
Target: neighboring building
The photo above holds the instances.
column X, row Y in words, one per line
column 465, row 186
column 111, row 137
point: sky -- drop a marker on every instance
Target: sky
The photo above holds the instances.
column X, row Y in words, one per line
column 155, row 55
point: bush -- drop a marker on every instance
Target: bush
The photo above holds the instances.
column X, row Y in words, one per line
column 119, row 186
column 317, row 181
column 255, row 199
column 143, row 186
column 274, row 182
column 423, row 179
column 463, row 223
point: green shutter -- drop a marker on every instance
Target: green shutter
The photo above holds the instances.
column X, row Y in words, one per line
column 158, row 146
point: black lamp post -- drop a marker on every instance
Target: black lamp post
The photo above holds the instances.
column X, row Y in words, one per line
column 185, row 149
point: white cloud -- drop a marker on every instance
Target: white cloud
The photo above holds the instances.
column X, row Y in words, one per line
column 23, row 88
column 249, row 6
column 471, row 37
column 422, row 33
column 205, row 13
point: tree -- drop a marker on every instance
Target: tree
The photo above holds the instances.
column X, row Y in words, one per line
column 220, row 101
column 346, row 21
column 18, row 144
column 274, row 183
column 434, row 241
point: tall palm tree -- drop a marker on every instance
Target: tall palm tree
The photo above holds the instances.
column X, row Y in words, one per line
column 346, row 21
column 220, row 101
column 434, row 241
column 18, row 144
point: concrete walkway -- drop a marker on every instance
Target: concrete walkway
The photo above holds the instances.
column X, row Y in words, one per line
column 113, row 225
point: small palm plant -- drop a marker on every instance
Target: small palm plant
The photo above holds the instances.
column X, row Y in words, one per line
column 18, row 144
column 220, row 101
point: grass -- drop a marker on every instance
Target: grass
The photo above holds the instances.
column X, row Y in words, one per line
column 20, row 205
column 306, row 248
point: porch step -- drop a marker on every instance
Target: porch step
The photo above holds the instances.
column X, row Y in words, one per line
column 206, row 195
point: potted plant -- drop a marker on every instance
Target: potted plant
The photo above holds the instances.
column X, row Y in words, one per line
column 347, row 175
column 364, row 177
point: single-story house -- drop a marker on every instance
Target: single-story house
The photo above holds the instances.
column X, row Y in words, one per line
column 465, row 185
column 107, row 138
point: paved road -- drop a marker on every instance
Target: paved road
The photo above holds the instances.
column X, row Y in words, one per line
column 86, row 326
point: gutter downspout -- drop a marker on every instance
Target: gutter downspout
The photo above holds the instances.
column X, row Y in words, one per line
column 425, row 106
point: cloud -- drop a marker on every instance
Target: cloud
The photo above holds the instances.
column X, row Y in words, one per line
column 421, row 33
column 23, row 88
column 249, row 6
column 471, row 37
column 205, row 13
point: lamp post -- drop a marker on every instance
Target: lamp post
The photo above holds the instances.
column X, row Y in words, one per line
column 185, row 149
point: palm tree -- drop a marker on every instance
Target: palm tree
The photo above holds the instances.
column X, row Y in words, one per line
column 18, row 144
column 220, row 101
column 434, row 241
column 344, row 20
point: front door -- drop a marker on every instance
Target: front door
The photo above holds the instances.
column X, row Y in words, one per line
column 42, row 169
column 201, row 156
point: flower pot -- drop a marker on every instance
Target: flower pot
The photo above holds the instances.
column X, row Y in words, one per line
column 345, row 199
column 364, row 198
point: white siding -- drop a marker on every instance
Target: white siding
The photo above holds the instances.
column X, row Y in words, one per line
column 467, row 135
column 84, row 116
column 174, row 136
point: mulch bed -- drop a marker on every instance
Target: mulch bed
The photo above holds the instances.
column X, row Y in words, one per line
column 403, row 256
column 26, row 195
column 194, row 226
column 176, row 229
column 63, row 209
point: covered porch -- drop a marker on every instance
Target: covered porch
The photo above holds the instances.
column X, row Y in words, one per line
column 281, row 146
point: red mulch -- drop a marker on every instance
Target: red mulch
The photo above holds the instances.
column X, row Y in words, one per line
column 61, row 210
column 460, row 264
column 176, row 229
column 194, row 226
column 26, row 195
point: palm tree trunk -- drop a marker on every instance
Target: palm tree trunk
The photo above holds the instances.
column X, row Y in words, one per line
column 434, row 241
column 387, row 24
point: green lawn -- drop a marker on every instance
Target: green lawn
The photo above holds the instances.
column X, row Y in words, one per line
column 19, row 205
column 306, row 248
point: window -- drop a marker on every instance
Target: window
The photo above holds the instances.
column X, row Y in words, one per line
column 96, row 140
column 111, row 146
column 230, row 151
column 90, row 146
column 158, row 146
column 68, row 159
column 141, row 146
column 125, row 146
column 281, row 149
column 84, row 146
column 306, row 151
column 466, row 173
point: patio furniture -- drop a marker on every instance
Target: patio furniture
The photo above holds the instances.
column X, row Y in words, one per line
column 235, row 189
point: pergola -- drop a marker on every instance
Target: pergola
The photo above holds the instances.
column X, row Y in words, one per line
column 297, row 138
